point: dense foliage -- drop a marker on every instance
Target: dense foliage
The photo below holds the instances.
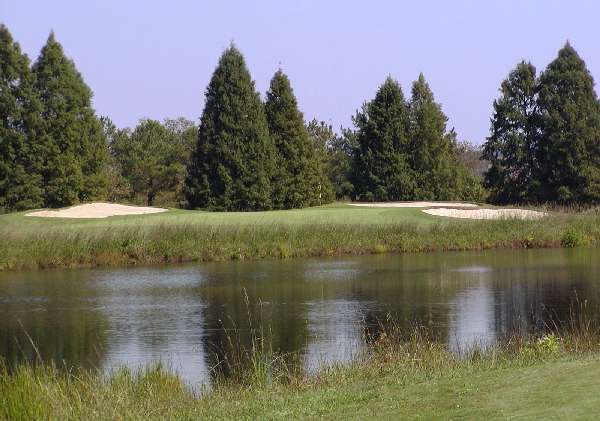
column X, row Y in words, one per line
column 152, row 160
column 53, row 150
column 545, row 139
column 511, row 147
column 404, row 152
column 381, row 169
column 569, row 148
column 245, row 155
column 335, row 154
column 438, row 168
column 232, row 164
column 75, row 154
column 298, row 178
column 21, row 135
column 470, row 155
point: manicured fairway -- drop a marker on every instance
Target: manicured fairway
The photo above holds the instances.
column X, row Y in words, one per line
column 552, row 390
column 329, row 214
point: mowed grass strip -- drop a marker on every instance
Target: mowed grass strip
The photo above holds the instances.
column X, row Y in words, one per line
column 183, row 236
column 550, row 390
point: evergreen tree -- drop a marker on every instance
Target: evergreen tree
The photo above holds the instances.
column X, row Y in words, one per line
column 381, row 167
column 298, row 175
column 569, row 150
column 336, row 155
column 511, row 147
column 431, row 157
column 232, row 164
column 21, row 137
column 75, row 158
column 439, row 171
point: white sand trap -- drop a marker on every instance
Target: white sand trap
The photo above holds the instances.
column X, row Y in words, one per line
column 415, row 204
column 96, row 210
column 486, row 213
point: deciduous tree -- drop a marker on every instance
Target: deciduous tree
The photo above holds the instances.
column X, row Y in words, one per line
column 153, row 159
column 335, row 153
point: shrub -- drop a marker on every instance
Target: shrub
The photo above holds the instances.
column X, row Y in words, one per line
column 573, row 238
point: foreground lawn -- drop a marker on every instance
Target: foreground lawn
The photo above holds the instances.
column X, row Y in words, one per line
column 554, row 388
column 404, row 375
column 549, row 390
column 338, row 229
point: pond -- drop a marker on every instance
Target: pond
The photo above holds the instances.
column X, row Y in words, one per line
column 323, row 309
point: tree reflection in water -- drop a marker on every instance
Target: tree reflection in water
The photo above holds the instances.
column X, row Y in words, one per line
column 321, row 310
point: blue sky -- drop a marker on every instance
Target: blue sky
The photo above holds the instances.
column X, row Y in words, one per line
column 154, row 58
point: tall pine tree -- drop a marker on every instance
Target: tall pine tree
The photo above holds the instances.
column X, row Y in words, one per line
column 439, row 172
column 298, row 179
column 233, row 160
column 77, row 151
column 569, row 150
column 381, row 167
column 511, row 147
column 21, row 137
column 431, row 149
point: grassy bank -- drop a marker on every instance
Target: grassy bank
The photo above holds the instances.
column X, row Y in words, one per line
column 181, row 236
column 549, row 377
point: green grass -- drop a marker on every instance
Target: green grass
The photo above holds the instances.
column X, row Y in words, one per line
column 328, row 214
column 179, row 236
column 416, row 380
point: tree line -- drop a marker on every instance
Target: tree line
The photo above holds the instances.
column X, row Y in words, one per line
column 250, row 154
column 545, row 136
column 52, row 147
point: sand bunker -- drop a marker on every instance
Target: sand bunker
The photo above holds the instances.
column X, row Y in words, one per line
column 486, row 213
column 416, row 205
column 96, row 210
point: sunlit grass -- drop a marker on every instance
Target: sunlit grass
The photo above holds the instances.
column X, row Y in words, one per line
column 31, row 243
column 405, row 374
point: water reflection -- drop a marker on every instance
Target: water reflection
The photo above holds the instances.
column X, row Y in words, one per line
column 156, row 315
column 325, row 309
column 472, row 321
column 50, row 321
column 335, row 332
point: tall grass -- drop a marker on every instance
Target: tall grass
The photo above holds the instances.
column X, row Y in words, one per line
column 37, row 393
column 257, row 364
column 406, row 358
column 130, row 245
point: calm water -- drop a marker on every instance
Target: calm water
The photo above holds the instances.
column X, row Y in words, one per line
column 320, row 307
